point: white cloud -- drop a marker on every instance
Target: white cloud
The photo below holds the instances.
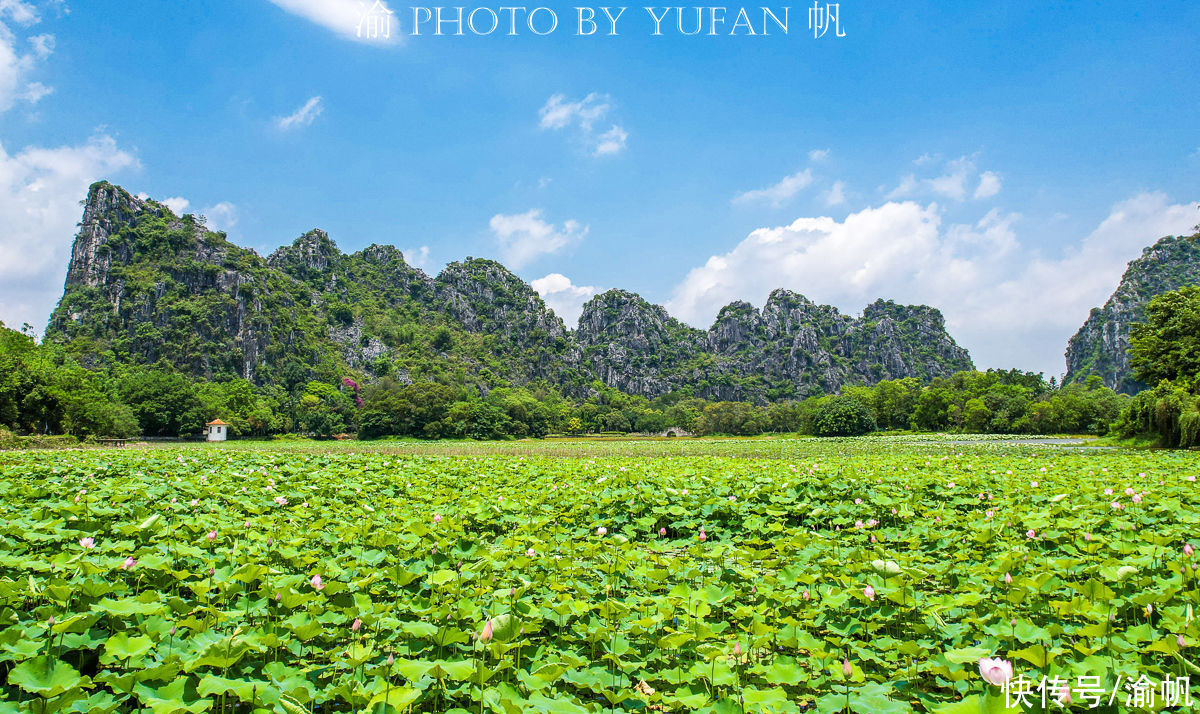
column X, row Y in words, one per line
column 16, row 64
column 564, row 298
column 343, row 17
column 417, row 257
column 817, row 155
column 989, row 185
column 523, row 237
column 559, row 113
column 303, row 116
column 221, row 216
column 582, row 116
column 611, row 141
column 951, row 183
column 177, row 204
column 40, row 191
column 1003, row 300
column 781, row 192
column 836, row 195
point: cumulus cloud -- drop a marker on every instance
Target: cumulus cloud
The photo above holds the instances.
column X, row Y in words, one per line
column 305, row 115
column 953, row 182
column 835, row 195
column 20, row 56
column 417, row 257
column 779, row 193
column 564, row 297
column 40, row 191
column 582, row 116
column 818, row 155
column 222, row 216
column 1005, row 301
column 524, row 237
column 178, row 204
column 348, row 19
column 989, row 185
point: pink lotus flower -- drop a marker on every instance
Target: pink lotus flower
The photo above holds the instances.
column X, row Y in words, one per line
column 601, row 531
column 1033, row 484
column 1108, row 492
column 129, row 563
column 806, row 595
column 1008, row 579
column 847, row 670
column 1188, row 550
column 437, row 518
column 1137, row 498
column 316, row 583
column 703, row 536
column 737, row 649
column 1064, row 696
column 950, row 485
column 995, row 671
column 858, row 501
column 212, row 535
column 486, row 635
column 1191, row 478
column 858, row 524
column 1117, row 505
column 870, row 593
column 87, row 543
column 356, row 625
column 732, row 499
column 281, row 500
column 391, row 659
column 991, row 513
column 530, row 553
column 1181, row 642
column 662, row 531
column 1129, row 492
column 195, row 503
column 1030, row 533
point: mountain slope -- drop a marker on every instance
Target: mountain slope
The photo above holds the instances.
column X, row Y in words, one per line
column 1101, row 344
column 146, row 285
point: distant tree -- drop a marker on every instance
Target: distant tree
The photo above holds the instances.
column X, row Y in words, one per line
column 843, row 416
column 164, row 401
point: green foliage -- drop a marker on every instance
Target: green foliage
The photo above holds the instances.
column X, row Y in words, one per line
column 416, row 553
column 842, row 416
column 1167, row 345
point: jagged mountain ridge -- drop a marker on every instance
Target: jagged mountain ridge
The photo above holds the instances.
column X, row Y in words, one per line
column 1101, row 345
column 144, row 284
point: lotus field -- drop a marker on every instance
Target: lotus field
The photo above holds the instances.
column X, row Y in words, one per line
column 875, row 576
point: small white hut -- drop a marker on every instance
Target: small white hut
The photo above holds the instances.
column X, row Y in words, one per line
column 216, row 430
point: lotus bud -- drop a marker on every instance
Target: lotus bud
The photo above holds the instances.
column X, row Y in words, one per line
column 391, row 659
column 212, row 535
column 1178, row 640
column 870, row 593
column 1008, row 579
column 356, row 625
column 1064, row 696
column 847, row 670
column 129, row 563
column 737, row 649
column 437, row 518
column 662, row 531
column 1188, row 550
column 486, row 635
column 316, row 583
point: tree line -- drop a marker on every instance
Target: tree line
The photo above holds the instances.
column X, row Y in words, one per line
column 45, row 390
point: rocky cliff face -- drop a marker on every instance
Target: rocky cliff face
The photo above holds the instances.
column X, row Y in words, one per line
column 791, row 348
column 1101, row 346
column 145, row 285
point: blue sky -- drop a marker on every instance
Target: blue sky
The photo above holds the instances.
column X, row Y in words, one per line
column 999, row 160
